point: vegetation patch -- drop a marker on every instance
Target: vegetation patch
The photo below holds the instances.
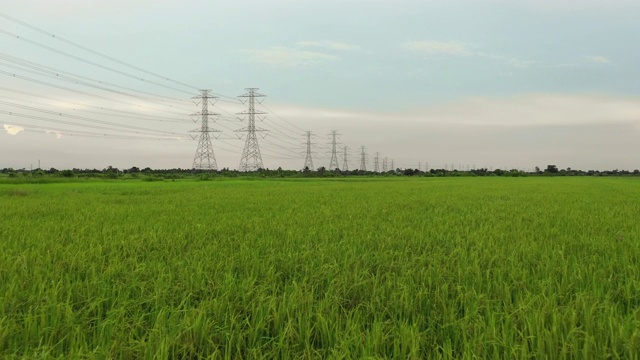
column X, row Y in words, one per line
column 406, row 268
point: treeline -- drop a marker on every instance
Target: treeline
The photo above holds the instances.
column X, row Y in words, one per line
column 149, row 174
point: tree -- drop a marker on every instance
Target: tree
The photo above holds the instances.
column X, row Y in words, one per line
column 552, row 169
column 67, row 173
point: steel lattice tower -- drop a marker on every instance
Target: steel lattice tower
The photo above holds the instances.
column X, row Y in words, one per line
column 345, row 160
column 308, row 162
column 251, row 158
column 393, row 168
column 333, row 164
column 204, row 158
column 363, row 159
column 376, row 163
column 384, row 165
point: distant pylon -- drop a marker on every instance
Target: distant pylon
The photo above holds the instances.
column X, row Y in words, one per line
column 363, row 159
column 251, row 158
column 419, row 166
column 345, row 160
column 384, row 165
column 204, row 158
column 333, row 164
column 308, row 162
column 376, row 163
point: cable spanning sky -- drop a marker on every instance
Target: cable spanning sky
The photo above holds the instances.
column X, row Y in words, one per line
column 501, row 84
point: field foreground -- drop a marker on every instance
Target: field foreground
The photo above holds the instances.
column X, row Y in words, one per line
column 380, row 268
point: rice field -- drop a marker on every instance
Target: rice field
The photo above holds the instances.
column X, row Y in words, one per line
column 435, row 268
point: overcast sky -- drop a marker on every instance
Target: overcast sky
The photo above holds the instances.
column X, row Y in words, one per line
column 498, row 84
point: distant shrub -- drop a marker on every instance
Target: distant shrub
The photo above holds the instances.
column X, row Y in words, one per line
column 17, row 192
column 152, row 178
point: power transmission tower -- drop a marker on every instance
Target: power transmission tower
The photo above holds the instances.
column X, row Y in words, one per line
column 363, row 160
column 376, row 163
column 345, row 161
column 333, row 163
column 308, row 162
column 204, row 158
column 251, row 158
column 419, row 166
column 384, row 165
column 393, row 168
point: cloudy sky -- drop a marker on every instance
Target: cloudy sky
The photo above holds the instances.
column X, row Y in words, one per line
column 498, row 84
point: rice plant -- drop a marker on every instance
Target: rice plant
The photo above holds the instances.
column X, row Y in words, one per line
column 439, row 268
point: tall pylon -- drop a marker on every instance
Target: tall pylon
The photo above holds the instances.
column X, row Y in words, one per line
column 308, row 162
column 363, row 159
column 393, row 168
column 251, row 158
column 345, row 160
column 333, row 163
column 376, row 163
column 204, row 158
column 384, row 165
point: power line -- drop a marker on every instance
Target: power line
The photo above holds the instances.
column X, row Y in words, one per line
column 82, row 47
column 266, row 139
column 80, row 133
column 283, row 119
column 137, row 116
column 83, row 83
column 57, row 72
column 60, row 114
column 73, row 90
column 89, row 62
column 34, row 117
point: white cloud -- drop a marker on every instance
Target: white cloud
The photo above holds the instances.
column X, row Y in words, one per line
column 438, row 47
column 454, row 48
column 12, row 129
column 331, row 45
column 581, row 131
column 530, row 110
column 289, row 57
column 535, row 110
column 58, row 135
column 598, row 59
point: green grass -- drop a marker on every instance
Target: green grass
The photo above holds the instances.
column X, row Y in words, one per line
column 351, row 268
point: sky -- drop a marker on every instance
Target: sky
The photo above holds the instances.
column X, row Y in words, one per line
column 496, row 84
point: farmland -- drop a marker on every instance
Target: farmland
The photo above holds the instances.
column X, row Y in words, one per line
column 335, row 268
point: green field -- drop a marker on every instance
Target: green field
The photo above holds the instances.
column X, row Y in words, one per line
column 352, row 268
